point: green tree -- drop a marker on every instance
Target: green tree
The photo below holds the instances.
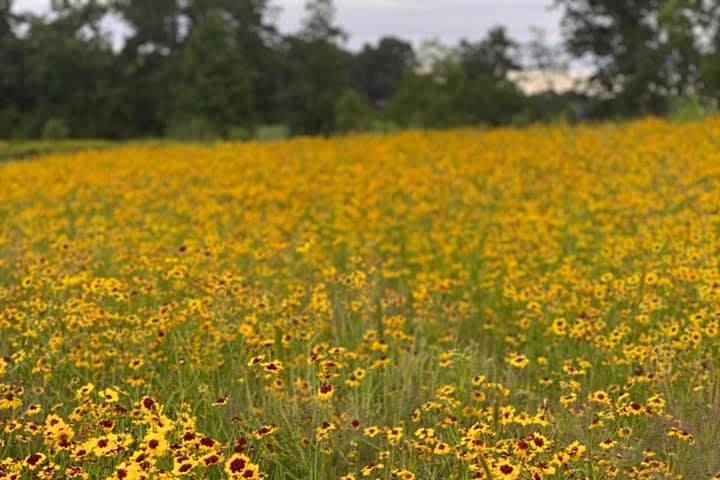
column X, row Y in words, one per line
column 708, row 25
column 422, row 99
column 644, row 51
column 378, row 70
column 319, row 71
column 260, row 45
column 149, row 61
column 156, row 26
column 465, row 85
column 12, row 95
column 352, row 112
column 488, row 96
column 494, row 56
column 215, row 85
column 6, row 18
column 428, row 99
column 55, row 129
column 69, row 72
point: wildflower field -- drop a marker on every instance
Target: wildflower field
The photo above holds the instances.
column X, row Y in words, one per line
column 514, row 304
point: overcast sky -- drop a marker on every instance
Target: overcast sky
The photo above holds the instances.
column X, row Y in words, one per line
column 416, row 20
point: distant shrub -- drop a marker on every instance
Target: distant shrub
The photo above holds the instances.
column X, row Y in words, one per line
column 352, row 113
column 10, row 118
column 689, row 109
column 55, row 129
column 239, row 133
column 195, row 129
column 521, row 119
column 384, row 126
column 272, row 132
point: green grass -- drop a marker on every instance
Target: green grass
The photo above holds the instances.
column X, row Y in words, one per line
column 17, row 150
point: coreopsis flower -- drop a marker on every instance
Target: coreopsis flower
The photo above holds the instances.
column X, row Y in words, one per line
column 240, row 466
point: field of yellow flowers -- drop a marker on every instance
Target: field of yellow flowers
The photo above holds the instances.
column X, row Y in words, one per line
column 514, row 304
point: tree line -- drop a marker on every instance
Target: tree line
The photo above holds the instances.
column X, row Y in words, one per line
column 221, row 69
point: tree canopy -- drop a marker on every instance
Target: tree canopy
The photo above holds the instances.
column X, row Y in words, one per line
column 221, row 68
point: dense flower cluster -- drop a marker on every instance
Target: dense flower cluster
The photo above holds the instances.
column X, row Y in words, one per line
column 516, row 304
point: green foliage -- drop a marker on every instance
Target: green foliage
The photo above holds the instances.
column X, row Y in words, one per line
column 10, row 117
column 237, row 133
column 494, row 56
column 645, row 52
column 378, row 70
column 55, row 129
column 69, row 73
column 380, row 125
column 319, row 72
column 352, row 113
column 201, row 69
column 460, row 87
column 689, row 109
column 215, row 84
column 19, row 150
column 424, row 101
column 272, row 132
column 196, row 129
